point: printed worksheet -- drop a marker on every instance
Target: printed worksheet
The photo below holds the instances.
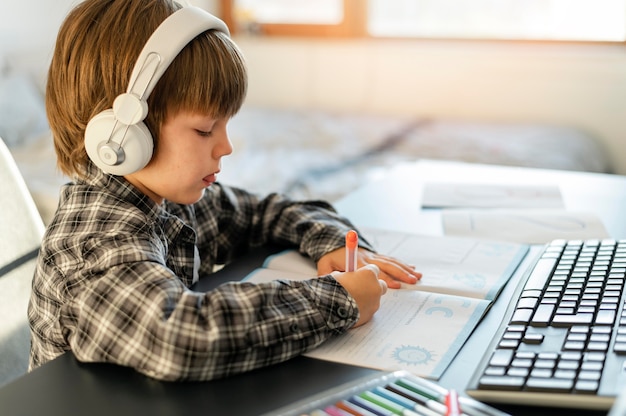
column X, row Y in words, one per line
column 420, row 332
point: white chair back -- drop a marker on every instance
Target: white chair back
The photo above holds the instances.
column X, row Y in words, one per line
column 21, row 231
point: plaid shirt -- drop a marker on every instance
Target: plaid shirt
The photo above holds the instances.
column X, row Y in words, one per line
column 113, row 278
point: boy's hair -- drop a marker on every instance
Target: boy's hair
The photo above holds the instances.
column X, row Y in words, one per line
column 95, row 52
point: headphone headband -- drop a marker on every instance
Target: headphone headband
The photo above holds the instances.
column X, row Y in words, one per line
column 169, row 38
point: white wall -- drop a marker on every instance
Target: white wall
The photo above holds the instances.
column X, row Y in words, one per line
column 28, row 30
column 27, row 33
column 583, row 86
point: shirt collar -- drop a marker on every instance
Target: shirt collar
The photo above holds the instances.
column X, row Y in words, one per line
column 119, row 186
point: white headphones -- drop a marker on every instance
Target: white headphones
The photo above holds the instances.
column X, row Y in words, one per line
column 117, row 140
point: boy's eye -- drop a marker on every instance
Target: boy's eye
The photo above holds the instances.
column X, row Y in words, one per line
column 203, row 133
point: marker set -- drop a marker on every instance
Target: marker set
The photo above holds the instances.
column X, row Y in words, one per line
column 388, row 394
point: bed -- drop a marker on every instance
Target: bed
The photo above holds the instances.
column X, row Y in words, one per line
column 313, row 153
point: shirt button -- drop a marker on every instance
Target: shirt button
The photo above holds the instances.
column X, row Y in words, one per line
column 294, row 327
column 342, row 312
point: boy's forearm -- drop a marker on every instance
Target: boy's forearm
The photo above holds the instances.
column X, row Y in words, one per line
column 198, row 336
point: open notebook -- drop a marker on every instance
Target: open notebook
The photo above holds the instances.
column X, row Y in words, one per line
column 419, row 328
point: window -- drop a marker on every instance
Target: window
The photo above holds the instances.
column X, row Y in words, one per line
column 339, row 18
column 561, row 20
column 591, row 20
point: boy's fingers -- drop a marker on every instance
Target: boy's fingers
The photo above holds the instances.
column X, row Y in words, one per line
column 373, row 268
column 383, row 285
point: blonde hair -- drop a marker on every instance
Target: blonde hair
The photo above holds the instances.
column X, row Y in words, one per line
column 94, row 55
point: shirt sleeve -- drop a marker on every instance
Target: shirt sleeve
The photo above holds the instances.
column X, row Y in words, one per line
column 237, row 220
column 140, row 315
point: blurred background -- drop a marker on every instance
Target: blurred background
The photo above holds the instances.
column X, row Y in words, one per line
column 522, row 62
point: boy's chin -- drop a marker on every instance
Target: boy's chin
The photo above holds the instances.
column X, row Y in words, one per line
column 188, row 199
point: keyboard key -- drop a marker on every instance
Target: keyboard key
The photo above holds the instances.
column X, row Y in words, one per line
column 548, row 356
column 539, row 276
column 571, row 356
column 522, row 362
column 586, row 386
column 568, row 365
column 549, row 384
column 501, row 382
column 543, row 315
column 591, row 366
column 527, row 303
column 589, row 375
column 598, row 346
column 568, row 374
column 567, row 320
column 574, row 346
column 518, row 372
column 577, row 337
column 495, row 371
column 620, row 347
column 580, row 329
column 545, row 364
column 599, row 337
column 511, row 344
column 541, row 373
column 521, row 316
column 532, row 339
column 594, row 356
column 501, row 358
column 516, row 335
column 516, row 328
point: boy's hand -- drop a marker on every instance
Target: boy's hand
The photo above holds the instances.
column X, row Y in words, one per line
column 392, row 271
column 365, row 287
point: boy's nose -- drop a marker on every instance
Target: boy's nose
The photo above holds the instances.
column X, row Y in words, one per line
column 224, row 148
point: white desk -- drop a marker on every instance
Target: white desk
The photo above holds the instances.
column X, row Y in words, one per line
column 65, row 386
column 402, row 188
column 393, row 201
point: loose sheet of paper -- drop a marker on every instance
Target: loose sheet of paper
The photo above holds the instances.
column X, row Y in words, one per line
column 472, row 195
column 523, row 226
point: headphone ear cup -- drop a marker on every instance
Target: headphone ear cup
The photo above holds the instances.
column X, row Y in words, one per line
column 103, row 144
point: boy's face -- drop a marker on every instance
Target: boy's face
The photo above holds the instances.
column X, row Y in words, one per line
column 187, row 159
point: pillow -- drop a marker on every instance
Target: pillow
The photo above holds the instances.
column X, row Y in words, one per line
column 22, row 110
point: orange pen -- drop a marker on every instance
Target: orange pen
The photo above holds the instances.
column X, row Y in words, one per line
column 352, row 245
column 453, row 408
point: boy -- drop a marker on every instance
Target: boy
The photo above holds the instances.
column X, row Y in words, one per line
column 130, row 236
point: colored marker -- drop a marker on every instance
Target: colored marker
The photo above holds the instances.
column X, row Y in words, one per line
column 386, row 403
column 438, row 394
column 420, row 389
column 318, row 412
column 410, row 405
column 421, row 401
column 353, row 409
column 452, row 404
column 370, row 406
column 334, row 411
column 352, row 245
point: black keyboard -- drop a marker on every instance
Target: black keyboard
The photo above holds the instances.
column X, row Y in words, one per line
column 563, row 340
